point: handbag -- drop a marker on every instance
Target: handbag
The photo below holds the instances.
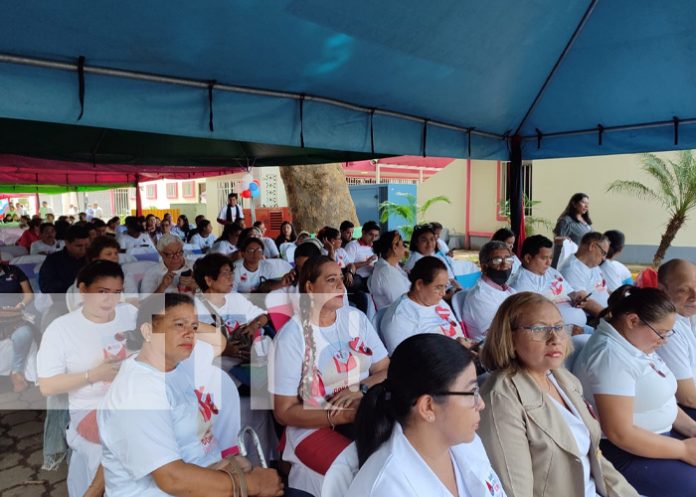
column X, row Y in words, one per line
column 239, row 340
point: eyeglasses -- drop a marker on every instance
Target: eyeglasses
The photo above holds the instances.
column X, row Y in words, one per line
column 475, row 393
column 171, row 255
column 663, row 336
column 226, row 273
column 499, row 261
column 540, row 333
column 254, row 251
column 604, row 252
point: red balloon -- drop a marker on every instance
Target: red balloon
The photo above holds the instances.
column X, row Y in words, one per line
column 257, row 181
column 246, row 194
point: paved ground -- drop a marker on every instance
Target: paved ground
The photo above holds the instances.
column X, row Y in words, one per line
column 21, row 429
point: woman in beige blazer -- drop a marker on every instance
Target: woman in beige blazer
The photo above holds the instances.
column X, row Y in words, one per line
column 539, row 434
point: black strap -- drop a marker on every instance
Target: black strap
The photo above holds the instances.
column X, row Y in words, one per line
column 211, row 85
column 302, row 98
column 372, row 131
column 468, row 142
column 600, row 133
column 675, row 119
column 539, row 137
column 216, row 317
column 425, row 137
column 81, row 84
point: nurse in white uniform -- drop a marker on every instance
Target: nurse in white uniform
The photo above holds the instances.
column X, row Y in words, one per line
column 417, row 430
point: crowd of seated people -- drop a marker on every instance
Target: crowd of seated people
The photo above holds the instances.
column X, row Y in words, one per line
column 160, row 380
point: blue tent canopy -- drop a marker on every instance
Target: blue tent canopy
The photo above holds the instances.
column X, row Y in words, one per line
column 445, row 78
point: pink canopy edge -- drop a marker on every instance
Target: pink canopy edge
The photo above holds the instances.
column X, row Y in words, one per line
column 33, row 171
column 402, row 160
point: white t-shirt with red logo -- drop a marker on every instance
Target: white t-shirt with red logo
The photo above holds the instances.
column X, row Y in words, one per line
column 358, row 252
column 235, row 312
column 480, row 306
column 554, row 287
column 587, row 279
column 405, row 318
column 245, row 281
column 345, row 351
column 150, row 418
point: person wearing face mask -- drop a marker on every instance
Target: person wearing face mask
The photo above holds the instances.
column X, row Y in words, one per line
column 417, row 429
column 533, row 399
column 508, row 237
column 677, row 278
column 649, row 439
column 422, row 309
column 583, row 273
column 490, row 291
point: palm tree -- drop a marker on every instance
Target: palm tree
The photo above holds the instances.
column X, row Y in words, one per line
column 676, row 191
column 411, row 211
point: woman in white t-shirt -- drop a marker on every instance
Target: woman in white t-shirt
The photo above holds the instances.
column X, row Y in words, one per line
column 331, row 240
column 537, row 430
column 158, row 424
column 227, row 243
column 649, row 438
column 424, row 243
column 80, row 354
column 253, row 273
column 203, row 239
column 388, row 280
column 324, row 361
column 614, row 272
column 422, row 309
column 417, row 429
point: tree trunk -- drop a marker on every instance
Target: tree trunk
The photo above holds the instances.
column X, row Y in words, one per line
column 672, row 228
column 318, row 196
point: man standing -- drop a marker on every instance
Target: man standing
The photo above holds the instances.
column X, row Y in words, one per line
column 231, row 212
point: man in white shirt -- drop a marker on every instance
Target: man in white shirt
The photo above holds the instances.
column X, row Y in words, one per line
column 490, row 291
column 536, row 275
column 172, row 274
column 360, row 250
column 231, row 213
column 677, row 278
column 47, row 243
column 134, row 236
column 582, row 271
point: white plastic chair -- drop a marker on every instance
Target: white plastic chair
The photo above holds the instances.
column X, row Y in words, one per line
column 579, row 342
column 458, row 300
column 126, row 258
column 9, row 252
column 144, row 253
column 377, row 320
column 341, row 473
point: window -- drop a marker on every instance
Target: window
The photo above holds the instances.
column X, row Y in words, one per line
column 151, row 192
column 188, row 189
column 172, row 190
column 503, row 209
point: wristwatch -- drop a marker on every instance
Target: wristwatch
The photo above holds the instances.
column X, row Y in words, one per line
column 364, row 388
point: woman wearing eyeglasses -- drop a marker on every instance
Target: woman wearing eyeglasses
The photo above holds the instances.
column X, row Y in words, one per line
column 648, row 437
column 538, row 432
column 417, row 429
column 253, row 273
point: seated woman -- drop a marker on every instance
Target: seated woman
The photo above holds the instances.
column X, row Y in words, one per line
column 287, row 235
column 331, row 241
column 158, row 424
column 388, row 281
column 632, row 391
column 536, row 275
column 103, row 248
column 173, row 273
column 182, row 228
column 80, row 354
column 227, row 243
column 506, row 236
column 253, row 273
column 423, row 243
column 15, row 295
column 490, row 291
column 613, row 271
column 30, row 235
column 531, row 398
column 324, row 361
column 422, row 309
column 417, row 429
column 203, row 239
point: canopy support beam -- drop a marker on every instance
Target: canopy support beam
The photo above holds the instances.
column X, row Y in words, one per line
column 559, row 61
column 138, row 199
column 516, row 189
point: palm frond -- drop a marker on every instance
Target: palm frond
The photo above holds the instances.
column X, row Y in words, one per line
column 428, row 203
column 406, row 211
column 636, row 188
column 668, row 184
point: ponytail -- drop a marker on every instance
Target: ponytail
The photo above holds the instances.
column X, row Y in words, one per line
column 650, row 304
column 421, row 365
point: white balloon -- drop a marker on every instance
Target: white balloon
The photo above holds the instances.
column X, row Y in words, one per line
column 247, row 178
column 245, row 185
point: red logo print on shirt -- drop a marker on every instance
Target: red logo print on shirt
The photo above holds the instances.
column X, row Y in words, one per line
column 205, row 404
column 600, row 286
column 344, row 362
column 557, row 286
column 358, row 345
column 450, row 328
